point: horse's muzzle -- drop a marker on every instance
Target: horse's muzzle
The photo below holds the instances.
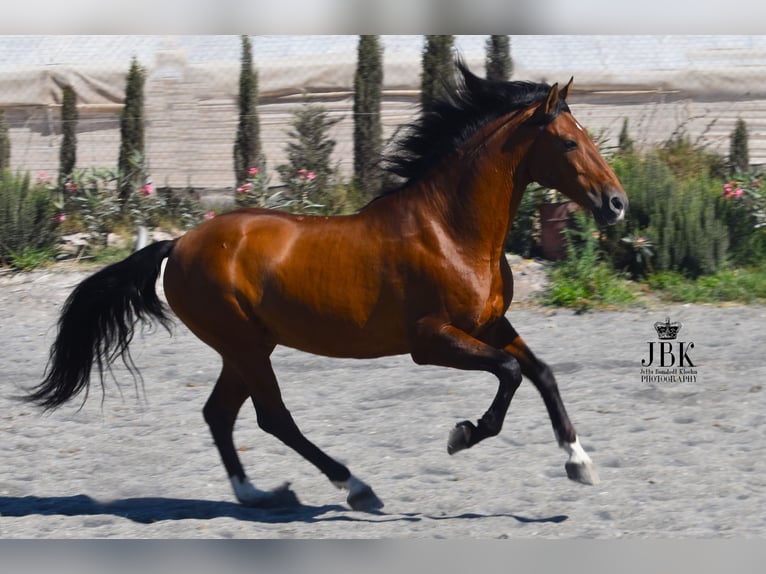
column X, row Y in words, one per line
column 614, row 204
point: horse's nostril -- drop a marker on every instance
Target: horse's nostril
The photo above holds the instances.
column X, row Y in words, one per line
column 617, row 203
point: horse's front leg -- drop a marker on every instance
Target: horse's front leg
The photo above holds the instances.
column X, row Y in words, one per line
column 439, row 343
column 579, row 467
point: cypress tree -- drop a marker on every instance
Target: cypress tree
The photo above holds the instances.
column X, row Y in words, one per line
column 739, row 156
column 498, row 63
column 5, row 143
column 69, row 117
column 368, row 138
column 437, row 67
column 130, row 163
column 247, row 147
column 625, row 142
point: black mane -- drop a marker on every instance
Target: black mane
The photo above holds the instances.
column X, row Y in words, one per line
column 468, row 104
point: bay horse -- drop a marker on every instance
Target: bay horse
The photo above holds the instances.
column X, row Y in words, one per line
column 420, row 270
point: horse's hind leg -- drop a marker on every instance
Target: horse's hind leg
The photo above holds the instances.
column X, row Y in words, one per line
column 220, row 413
column 579, row 466
column 274, row 418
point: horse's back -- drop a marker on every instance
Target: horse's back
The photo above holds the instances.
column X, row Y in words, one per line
column 319, row 284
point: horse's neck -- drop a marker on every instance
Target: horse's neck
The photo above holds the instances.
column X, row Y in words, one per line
column 477, row 201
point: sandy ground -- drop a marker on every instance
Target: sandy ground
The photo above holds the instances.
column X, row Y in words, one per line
column 675, row 459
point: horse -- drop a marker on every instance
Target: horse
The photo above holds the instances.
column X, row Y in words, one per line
column 419, row 270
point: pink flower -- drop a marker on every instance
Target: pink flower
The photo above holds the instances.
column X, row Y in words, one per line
column 209, row 215
column 738, row 192
column 310, row 175
column 61, row 218
column 253, row 171
column 727, row 187
column 147, row 189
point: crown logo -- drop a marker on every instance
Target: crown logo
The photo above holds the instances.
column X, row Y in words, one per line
column 667, row 330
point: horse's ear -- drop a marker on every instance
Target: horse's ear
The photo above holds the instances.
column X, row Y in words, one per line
column 553, row 98
column 567, row 88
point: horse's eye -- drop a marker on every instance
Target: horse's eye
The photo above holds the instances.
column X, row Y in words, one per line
column 569, row 145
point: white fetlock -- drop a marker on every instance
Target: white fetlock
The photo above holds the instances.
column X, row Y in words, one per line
column 246, row 493
column 579, row 467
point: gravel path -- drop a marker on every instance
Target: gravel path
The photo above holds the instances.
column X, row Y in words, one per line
column 675, row 459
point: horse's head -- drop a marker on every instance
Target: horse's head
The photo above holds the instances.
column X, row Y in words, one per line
column 564, row 157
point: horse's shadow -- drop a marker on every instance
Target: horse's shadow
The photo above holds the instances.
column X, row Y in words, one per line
column 150, row 510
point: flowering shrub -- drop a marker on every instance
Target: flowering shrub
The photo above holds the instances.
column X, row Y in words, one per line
column 90, row 197
column 309, row 176
column 301, row 188
column 730, row 192
column 747, row 189
column 641, row 249
column 255, row 191
column 89, row 201
column 146, row 207
column 744, row 208
column 304, row 191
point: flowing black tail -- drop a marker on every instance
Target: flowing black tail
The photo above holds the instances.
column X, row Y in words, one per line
column 98, row 321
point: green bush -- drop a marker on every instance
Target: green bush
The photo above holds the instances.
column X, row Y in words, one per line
column 687, row 159
column 27, row 219
column 583, row 280
column 679, row 212
column 90, row 203
column 745, row 285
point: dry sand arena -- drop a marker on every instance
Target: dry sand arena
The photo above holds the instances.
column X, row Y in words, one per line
column 675, row 459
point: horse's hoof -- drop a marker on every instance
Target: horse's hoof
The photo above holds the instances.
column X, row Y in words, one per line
column 364, row 500
column 460, row 436
column 583, row 472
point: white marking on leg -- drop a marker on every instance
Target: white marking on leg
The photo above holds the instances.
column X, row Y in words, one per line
column 353, row 485
column 577, row 454
column 245, row 492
